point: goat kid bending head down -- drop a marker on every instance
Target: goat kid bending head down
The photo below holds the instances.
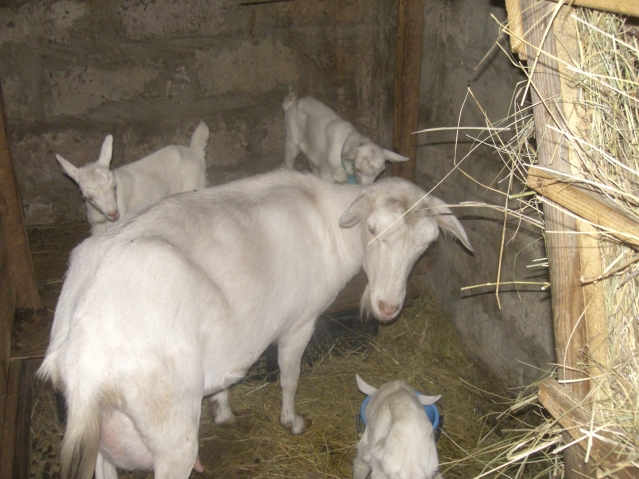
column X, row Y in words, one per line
column 399, row 440
column 335, row 150
column 178, row 302
column 110, row 194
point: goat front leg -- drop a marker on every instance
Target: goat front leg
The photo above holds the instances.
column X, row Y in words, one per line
column 290, row 349
column 361, row 470
column 223, row 414
column 335, row 166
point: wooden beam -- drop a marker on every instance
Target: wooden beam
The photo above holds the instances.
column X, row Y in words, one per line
column 624, row 7
column 562, row 249
column 15, row 445
column 590, row 258
column 408, row 71
column 587, row 205
column 18, row 254
column 513, row 8
column 607, row 452
column 7, row 310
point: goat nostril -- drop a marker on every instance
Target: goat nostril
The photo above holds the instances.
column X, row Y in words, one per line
column 388, row 309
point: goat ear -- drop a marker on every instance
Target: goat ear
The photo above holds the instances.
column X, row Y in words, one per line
column 364, row 386
column 428, row 400
column 446, row 220
column 106, row 152
column 393, row 157
column 68, row 168
column 360, row 209
column 350, row 155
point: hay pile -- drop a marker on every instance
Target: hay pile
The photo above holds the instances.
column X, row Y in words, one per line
column 419, row 346
column 604, row 159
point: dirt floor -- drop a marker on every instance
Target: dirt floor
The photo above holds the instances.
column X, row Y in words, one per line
column 419, row 347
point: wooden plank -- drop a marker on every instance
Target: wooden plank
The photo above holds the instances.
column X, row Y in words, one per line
column 19, row 256
column 513, row 8
column 14, row 450
column 7, row 308
column 624, row 7
column 572, row 416
column 562, row 249
column 408, row 70
column 587, row 205
column 590, row 260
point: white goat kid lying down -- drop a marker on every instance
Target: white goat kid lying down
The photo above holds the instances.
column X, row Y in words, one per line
column 177, row 302
column 335, row 150
column 111, row 194
column 399, row 440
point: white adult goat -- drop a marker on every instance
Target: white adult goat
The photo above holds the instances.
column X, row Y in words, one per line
column 180, row 300
column 399, row 441
column 173, row 169
column 336, row 152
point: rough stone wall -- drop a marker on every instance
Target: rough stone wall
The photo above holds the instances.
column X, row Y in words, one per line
column 148, row 71
column 515, row 340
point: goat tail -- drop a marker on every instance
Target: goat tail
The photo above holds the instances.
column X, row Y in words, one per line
column 81, row 438
column 289, row 99
column 200, row 138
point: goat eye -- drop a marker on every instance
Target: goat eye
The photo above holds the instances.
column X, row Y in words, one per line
column 371, row 230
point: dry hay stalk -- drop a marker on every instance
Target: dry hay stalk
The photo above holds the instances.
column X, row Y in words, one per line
column 605, row 142
column 420, row 347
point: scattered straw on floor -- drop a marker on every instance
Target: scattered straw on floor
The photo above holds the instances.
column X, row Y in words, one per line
column 419, row 347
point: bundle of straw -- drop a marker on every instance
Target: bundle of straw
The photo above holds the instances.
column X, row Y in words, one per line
column 605, row 143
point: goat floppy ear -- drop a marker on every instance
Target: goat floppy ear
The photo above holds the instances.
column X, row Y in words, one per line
column 68, row 168
column 393, row 157
column 428, row 400
column 364, row 386
column 446, row 219
column 106, row 152
column 356, row 212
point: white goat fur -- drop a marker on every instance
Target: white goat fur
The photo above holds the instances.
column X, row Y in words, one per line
column 111, row 194
column 333, row 147
column 399, row 440
column 177, row 302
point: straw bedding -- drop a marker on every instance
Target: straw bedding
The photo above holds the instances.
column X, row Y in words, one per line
column 419, row 347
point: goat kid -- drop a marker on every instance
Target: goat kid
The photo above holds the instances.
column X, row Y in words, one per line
column 177, row 302
column 336, row 152
column 111, row 194
column 399, row 440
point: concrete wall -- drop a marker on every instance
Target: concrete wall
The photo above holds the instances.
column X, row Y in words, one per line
column 512, row 342
column 147, row 71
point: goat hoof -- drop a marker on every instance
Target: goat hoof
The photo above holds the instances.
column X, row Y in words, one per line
column 299, row 426
column 226, row 422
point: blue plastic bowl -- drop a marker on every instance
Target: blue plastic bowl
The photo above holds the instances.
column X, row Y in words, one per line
column 431, row 411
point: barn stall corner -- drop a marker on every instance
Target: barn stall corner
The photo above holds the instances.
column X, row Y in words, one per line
column 574, row 148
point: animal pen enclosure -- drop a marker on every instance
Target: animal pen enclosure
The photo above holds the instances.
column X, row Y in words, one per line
column 592, row 405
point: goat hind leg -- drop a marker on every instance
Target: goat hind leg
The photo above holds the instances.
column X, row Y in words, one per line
column 174, row 440
column 104, row 469
column 291, row 146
